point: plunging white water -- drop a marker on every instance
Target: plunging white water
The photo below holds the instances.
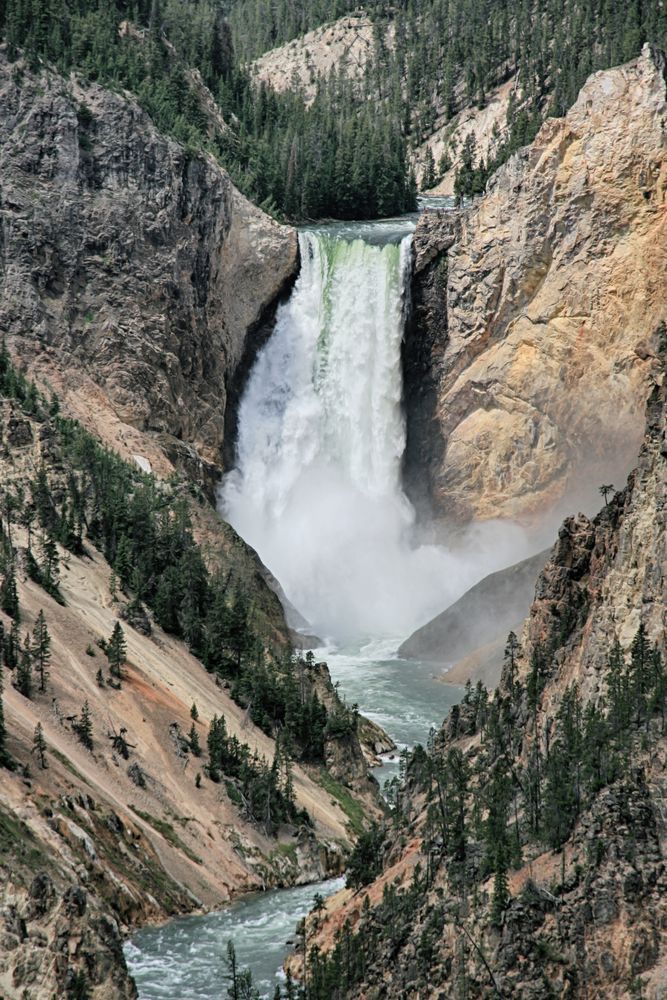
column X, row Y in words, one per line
column 317, row 489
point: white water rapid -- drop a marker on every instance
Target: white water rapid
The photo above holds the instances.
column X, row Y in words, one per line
column 317, row 488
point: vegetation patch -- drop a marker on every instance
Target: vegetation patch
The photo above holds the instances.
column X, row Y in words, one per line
column 17, row 841
column 168, row 832
column 352, row 809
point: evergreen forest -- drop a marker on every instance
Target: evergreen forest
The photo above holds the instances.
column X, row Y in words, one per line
column 347, row 154
column 487, row 813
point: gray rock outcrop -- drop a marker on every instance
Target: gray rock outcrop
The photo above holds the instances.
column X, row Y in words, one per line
column 134, row 277
column 483, row 615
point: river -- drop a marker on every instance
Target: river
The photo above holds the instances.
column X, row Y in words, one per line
column 184, row 959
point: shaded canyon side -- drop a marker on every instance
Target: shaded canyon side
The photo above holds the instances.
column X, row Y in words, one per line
column 135, row 279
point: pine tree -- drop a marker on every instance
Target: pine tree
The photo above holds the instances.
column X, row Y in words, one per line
column 659, row 697
column 239, row 637
column 640, row 672
column 605, row 491
column 428, row 174
column 23, row 681
column 78, row 987
column 9, row 598
column 50, row 567
column 617, row 691
column 41, row 650
column 194, row 741
column 216, row 741
column 39, row 746
column 117, row 651
column 511, row 652
column 444, row 163
column 194, row 714
column 84, row 727
column 41, row 499
column 155, row 21
column 13, row 646
column 501, row 894
column 4, row 756
column 123, row 562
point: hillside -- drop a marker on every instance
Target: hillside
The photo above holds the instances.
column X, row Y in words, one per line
column 418, row 87
column 468, row 637
column 476, row 81
column 525, row 853
column 346, row 46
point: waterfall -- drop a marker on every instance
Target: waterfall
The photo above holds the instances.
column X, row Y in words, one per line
column 317, row 488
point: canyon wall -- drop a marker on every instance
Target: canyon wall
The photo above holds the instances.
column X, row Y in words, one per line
column 136, row 825
column 134, row 278
column 530, row 348
column 137, row 283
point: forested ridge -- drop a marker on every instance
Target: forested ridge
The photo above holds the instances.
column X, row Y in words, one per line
column 341, row 157
column 347, row 154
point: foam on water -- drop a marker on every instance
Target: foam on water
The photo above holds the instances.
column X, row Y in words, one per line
column 185, row 958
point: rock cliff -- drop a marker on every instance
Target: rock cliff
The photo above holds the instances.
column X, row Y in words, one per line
column 474, row 629
column 529, row 351
column 134, row 278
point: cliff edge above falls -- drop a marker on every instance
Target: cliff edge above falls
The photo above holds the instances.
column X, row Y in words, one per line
column 134, row 277
column 528, row 355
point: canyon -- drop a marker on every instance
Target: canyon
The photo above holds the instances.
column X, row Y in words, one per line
column 587, row 914
column 139, row 285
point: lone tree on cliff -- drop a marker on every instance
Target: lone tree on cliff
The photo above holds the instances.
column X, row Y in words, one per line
column 39, row 746
column 41, row 650
column 84, row 727
column 605, row 491
column 117, row 651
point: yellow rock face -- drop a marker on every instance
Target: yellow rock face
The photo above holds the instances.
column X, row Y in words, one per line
column 554, row 287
